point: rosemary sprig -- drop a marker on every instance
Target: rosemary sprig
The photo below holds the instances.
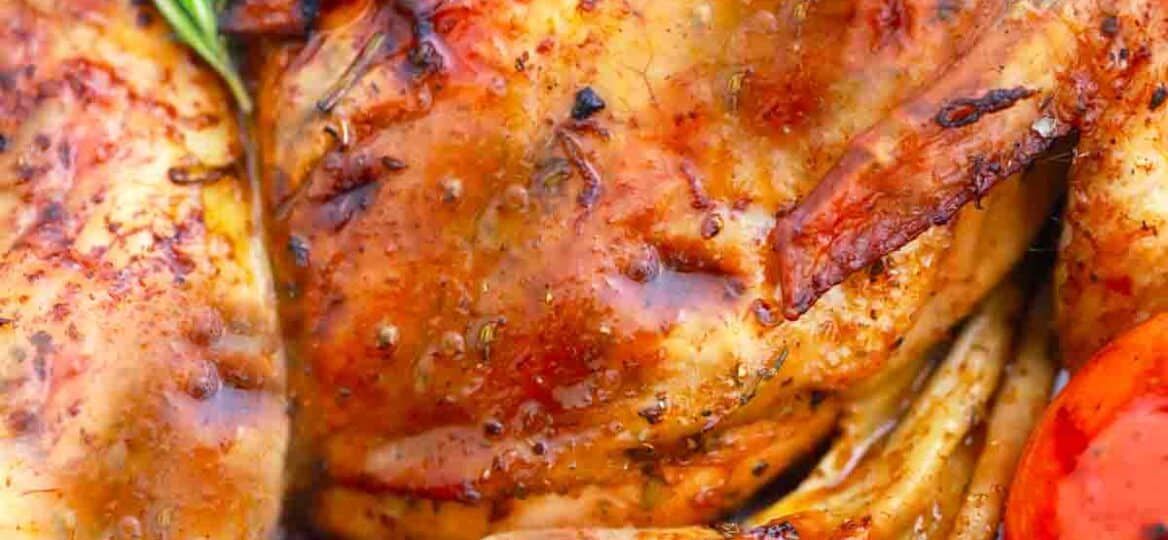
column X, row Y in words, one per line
column 196, row 24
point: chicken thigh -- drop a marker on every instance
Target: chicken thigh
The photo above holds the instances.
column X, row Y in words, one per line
column 1114, row 253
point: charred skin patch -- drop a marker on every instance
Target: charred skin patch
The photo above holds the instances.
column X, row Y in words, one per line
column 966, row 111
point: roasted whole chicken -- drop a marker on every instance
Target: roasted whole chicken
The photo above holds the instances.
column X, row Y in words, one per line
column 561, row 268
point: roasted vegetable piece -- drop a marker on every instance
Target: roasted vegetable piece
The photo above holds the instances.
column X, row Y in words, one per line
column 1097, row 465
column 915, row 478
column 1018, row 404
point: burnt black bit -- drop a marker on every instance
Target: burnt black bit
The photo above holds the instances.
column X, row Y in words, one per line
column 1110, row 26
column 587, row 103
column 299, row 248
column 539, row 448
column 643, row 453
column 393, row 164
column 876, row 269
column 759, row 469
column 1156, row 531
column 983, row 174
column 654, row 413
column 353, row 185
column 424, row 56
column 189, row 175
column 493, row 428
column 344, row 206
column 5, row 321
column 965, row 111
column 309, row 9
column 1159, row 95
column 775, row 530
column 817, row 397
column 3, row 143
column 711, row 225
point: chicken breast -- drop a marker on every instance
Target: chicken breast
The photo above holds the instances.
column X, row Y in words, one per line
column 141, row 378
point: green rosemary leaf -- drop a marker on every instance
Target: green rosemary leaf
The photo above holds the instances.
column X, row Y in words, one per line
column 194, row 21
column 203, row 13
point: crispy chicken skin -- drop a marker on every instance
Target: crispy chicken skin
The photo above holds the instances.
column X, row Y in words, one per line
column 141, row 380
column 524, row 250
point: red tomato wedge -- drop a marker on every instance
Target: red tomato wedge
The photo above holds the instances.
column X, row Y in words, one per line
column 1097, row 465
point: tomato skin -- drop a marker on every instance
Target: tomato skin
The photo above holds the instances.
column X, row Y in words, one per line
column 1097, row 465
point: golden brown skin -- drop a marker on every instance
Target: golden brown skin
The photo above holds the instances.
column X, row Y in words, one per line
column 1033, row 77
column 141, row 381
column 502, row 317
column 1114, row 252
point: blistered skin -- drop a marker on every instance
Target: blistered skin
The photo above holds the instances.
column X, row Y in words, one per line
column 523, row 250
column 141, row 386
